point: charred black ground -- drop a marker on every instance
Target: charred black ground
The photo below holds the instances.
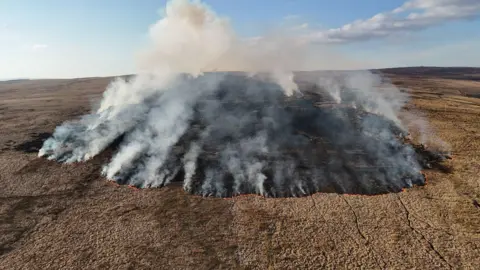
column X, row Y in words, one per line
column 314, row 142
column 248, row 137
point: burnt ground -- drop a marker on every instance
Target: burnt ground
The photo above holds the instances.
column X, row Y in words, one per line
column 55, row 216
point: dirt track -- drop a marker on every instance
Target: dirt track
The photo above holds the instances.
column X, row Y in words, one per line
column 55, row 216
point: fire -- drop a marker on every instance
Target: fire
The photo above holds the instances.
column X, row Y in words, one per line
column 132, row 187
column 267, row 130
column 425, row 177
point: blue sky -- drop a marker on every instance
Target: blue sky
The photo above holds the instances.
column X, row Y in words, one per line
column 58, row 38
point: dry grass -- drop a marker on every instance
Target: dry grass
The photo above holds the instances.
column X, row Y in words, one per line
column 56, row 216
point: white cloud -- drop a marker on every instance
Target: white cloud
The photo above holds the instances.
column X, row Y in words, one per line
column 412, row 15
column 39, row 47
column 291, row 17
column 303, row 26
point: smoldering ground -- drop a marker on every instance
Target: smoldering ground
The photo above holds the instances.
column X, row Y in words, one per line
column 225, row 134
column 260, row 131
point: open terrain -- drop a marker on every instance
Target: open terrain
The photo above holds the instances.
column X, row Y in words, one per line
column 55, row 216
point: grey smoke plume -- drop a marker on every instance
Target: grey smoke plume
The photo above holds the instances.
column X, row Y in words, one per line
column 264, row 130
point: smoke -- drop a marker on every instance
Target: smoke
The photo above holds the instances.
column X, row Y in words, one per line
column 258, row 128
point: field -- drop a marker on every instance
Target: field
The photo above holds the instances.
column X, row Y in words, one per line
column 55, row 216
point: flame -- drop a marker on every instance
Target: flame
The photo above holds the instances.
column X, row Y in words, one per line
column 113, row 183
column 133, row 187
column 425, row 176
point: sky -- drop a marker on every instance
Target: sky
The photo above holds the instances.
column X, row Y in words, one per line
column 84, row 38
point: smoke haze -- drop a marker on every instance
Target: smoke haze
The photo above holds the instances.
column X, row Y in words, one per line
column 258, row 128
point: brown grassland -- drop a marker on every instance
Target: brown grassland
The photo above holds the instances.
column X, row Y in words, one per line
column 55, row 216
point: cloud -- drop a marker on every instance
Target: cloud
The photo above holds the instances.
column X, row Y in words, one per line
column 413, row 15
column 291, row 17
column 39, row 47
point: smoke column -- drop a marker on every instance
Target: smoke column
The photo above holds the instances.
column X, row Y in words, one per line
column 249, row 130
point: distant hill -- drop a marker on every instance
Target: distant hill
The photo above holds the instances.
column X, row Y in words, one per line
column 13, row 80
column 456, row 73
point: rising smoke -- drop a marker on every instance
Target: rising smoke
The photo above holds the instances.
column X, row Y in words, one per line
column 254, row 130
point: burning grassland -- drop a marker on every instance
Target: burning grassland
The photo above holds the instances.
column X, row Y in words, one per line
column 260, row 131
column 242, row 135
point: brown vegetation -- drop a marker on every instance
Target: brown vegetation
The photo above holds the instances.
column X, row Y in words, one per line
column 55, row 216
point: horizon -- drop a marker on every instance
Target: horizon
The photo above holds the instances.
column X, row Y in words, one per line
column 56, row 40
column 295, row 71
